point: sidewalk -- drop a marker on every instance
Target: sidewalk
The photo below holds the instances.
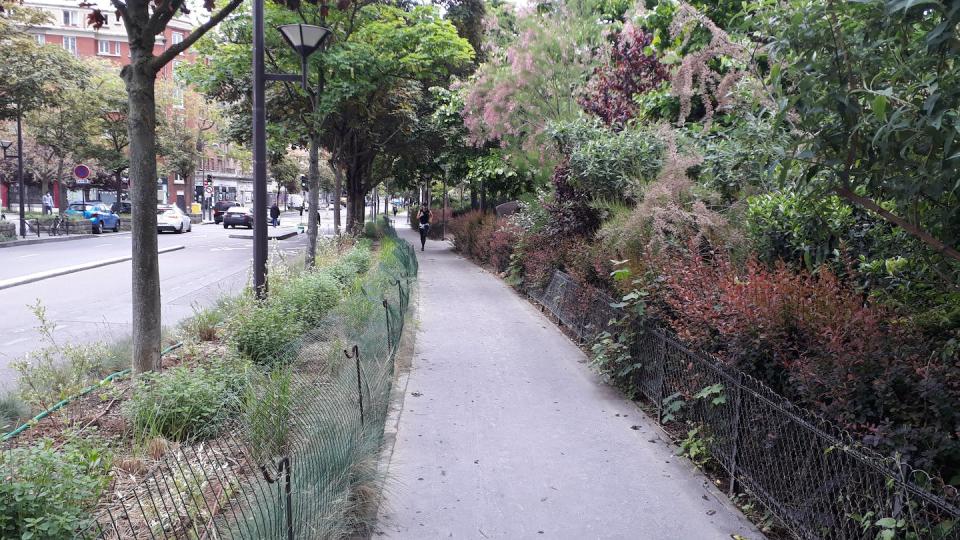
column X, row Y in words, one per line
column 504, row 432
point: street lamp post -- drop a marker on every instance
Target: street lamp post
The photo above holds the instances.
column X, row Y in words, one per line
column 19, row 157
column 305, row 39
column 443, row 228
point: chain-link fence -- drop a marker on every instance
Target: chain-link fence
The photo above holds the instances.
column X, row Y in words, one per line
column 300, row 458
column 810, row 474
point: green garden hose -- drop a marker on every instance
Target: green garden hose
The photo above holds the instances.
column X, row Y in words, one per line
column 82, row 393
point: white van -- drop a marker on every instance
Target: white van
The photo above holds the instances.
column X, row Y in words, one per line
column 295, row 202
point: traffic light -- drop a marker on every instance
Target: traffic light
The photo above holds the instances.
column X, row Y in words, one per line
column 303, row 182
column 209, row 179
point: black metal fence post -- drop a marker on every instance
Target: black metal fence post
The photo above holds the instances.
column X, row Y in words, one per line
column 356, row 356
column 386, row 312
column 283, row 466
column 737, row 405
column 660, row 354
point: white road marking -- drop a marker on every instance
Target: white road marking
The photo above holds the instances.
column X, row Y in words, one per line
column 14, row 342
column 25, row 256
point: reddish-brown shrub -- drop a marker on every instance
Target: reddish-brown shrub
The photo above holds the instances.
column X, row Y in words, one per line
column 588, row 263
column 822, row 344
column 485, row 238
column 502, row 243
column 540, row 255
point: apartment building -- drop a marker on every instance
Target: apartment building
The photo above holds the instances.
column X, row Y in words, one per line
column 68, row 28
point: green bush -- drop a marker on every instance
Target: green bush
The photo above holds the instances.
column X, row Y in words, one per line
column 353, row 263
column 262, row 333
column 184, row 404
column 308, row 297
column 48, row 494
column 797, row 229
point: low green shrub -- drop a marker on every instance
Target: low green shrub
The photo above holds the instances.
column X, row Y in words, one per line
column 262, row 333
column 308, row 297
column 47, row 493
column 54, row 371
column 185, row 404
column 353, row 263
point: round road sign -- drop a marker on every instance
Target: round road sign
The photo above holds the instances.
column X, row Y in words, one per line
column 81, row 171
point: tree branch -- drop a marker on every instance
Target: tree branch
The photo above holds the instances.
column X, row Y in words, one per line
column 121, row 8
column 915, row 231
column 162, row 15
column 166, row 56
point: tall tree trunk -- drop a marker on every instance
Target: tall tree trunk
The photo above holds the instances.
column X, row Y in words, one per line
column 337, row 190
column 474, row 201
column 62, row 198
column 313, row 196
column 142, row 123
column 355, row 206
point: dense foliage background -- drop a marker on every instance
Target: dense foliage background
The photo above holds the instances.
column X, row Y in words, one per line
column 777, row 178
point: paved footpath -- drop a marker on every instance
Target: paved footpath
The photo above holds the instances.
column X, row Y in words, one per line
column 505, row 432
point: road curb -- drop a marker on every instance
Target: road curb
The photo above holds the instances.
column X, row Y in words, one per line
column 54, row 239
column 283, row 236
column 39, row 276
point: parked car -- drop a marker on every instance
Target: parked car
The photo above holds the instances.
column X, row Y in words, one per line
column 238, row 215
column 171, row 218
column 98, row 214
column 123, row 207
column 220, row 208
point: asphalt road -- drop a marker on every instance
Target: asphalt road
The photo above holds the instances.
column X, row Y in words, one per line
column 96, row 304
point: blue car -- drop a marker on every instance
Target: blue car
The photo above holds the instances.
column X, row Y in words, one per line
column 100, row 216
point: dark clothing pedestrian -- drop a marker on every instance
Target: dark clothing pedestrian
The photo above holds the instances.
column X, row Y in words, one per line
column 394, row 210
column 424, row 218
column 275, row 215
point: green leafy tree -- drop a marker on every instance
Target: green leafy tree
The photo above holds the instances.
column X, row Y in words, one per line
column 872, row 92
column 366, row 85
column 31, row 80
column 143, row 21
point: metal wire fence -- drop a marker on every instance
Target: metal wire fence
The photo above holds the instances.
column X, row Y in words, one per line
column 300, row 458
column 807, row 472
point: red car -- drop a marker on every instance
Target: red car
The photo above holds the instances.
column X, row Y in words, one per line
column 220, row 208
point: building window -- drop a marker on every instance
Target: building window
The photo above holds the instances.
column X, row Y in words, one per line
column 71, row 18
column 176, row 38
column 108, row 48
column 178, row 180
column 177, row 85
column 41, row 39
column 70, row 44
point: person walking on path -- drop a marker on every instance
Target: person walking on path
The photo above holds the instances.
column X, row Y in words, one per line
column 47, row 203
column 275, row 215
column 423, row 217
